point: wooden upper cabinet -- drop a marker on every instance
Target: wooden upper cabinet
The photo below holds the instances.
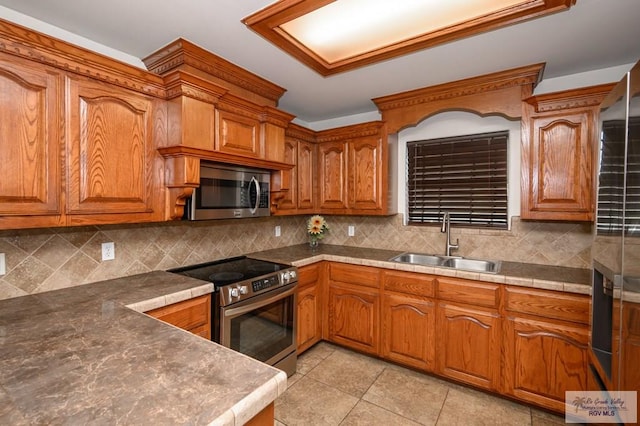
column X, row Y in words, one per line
column 305, row 171
column 110, row 154
column 238, row 134
column 365, row 173
column 559, row 146
column 353, row 169
column 30, row 144
column 561, row 181
column 299, row 197
column 332, row 179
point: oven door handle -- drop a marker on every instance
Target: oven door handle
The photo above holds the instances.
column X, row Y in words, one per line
column 251, row 305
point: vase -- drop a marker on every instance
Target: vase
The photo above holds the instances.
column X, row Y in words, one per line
column 313, row 243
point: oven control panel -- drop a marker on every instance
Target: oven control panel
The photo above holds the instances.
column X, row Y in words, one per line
column 259, row 285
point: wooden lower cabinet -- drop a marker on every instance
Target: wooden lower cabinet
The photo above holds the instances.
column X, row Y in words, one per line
column 354, row 317
column 546, row 337
column 468, row 344
column 193, row 315
column 309, row 307
column 408, row 330
column 543, row 359
column 521, row 342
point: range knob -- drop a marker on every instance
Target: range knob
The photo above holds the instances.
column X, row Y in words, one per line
column 243, row 289
column 286, row 276
column 292, row 275
column 233, row 292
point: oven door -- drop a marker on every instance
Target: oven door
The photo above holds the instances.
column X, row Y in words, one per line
column 262, row 327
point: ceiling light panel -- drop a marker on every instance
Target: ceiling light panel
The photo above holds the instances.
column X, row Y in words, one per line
column 333, row 36
column 347, row 28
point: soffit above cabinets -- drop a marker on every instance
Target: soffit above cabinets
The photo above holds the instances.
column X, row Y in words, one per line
column 333, row 36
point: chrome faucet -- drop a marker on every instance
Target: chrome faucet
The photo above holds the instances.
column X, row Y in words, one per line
column 446, row 227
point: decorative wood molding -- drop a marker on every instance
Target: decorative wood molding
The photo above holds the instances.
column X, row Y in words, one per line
column 371, row 128
column 182, row 175
column 497, row 93
column 275, row 116
column 179, row 83
column 268, row 21
column 221, row 157
column 586, row 97
column 26, row 43
column 181, row 53
column 298, row 132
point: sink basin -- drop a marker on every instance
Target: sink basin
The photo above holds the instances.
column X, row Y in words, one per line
column 472, row 265
column 419, row 259
column 454, row 262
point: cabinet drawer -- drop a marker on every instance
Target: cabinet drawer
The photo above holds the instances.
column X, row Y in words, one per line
column 410, row 283
column 308, row 275
column 548, row 304
column 354, row 274
column 466, row 291
column 191, row 315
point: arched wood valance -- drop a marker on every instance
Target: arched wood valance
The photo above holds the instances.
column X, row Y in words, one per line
column 499, row 93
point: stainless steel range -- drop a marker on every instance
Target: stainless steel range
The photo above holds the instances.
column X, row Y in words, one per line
column 253, row 311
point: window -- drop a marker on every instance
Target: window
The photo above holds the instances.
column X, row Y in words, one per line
column 465, row 176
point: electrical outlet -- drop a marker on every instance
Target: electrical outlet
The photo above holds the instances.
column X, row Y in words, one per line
column 108, row 251
column 352, row 230
column 278, row 230
column 3, row 265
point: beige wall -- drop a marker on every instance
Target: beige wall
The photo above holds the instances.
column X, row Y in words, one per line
column 47, row 259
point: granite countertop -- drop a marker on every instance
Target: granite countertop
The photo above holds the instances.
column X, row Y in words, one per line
column 87, row 355
column 558, row 278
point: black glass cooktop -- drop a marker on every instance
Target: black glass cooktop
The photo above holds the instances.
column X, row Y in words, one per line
column 230, row 271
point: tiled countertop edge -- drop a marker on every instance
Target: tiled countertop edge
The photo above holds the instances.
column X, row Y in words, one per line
column 494, row 278
column 247, row 408
column 169, row 299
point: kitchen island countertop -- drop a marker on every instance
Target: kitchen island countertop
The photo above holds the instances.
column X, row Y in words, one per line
column 86, row 355
column 558, row 278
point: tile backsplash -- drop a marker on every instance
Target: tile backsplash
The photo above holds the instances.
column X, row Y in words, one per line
column 47, row 259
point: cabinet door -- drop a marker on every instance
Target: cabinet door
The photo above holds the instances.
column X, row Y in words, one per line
column 309, row 330
column 238, row 134
column 304, row 176
column 30, row 145
column 468, row 345
column 354, row 317
column 193, row 315
column 309, row 313
column 408, row 327
column 289, row 201
column 332, row 181
column 110, row 154
column 365, row 174
column 560, row 167
column 544, row 359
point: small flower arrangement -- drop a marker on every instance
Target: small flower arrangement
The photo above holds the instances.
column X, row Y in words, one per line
column 316, row 228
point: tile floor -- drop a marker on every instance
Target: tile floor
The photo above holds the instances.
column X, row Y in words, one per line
column 336, row 386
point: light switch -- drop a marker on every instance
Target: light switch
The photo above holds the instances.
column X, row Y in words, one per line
column 3, row 266
column 278, row 230
column 352, row 230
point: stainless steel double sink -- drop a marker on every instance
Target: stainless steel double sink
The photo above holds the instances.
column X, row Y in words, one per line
column 455, row 262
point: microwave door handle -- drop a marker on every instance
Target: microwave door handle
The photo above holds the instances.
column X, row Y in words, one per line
column 255, row 182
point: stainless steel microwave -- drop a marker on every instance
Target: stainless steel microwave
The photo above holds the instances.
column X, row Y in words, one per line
column 228, row 192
